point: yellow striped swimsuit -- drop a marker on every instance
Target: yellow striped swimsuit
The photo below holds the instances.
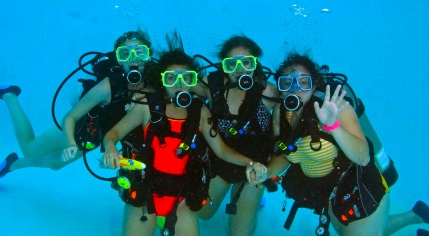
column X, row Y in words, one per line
column 314, row 163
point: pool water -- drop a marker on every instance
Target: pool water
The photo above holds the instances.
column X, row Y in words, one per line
column 382, row 47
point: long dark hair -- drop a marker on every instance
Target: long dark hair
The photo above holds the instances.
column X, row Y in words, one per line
column 247, row 43
column 139, row 35
column 175, row 55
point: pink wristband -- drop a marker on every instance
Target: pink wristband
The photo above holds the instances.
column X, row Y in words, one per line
column 332, row 127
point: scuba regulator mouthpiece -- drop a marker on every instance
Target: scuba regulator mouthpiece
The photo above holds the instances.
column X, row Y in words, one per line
column 292, row 102
column 182, row 99
column 134, row 76
column 245, row 82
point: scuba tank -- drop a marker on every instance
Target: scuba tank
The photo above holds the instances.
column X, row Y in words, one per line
column 383, row 162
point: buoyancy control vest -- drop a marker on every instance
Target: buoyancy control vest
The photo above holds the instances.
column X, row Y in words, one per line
column 245, row 120
column 307, row 192
column 383, row 162
column 314, row 193
column 256, row 146
column 91, row 128
column 192, row 184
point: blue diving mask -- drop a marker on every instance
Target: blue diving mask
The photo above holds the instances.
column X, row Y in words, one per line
column 295, row 81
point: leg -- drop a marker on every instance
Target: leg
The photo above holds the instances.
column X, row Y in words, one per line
column 374, row 224
column 217, row 191
column 187, row 221
column 44, row 152
column 49, row 142
column 132, row 225
column 419, row 214
column 245, row 220
column 52, row 161
column 22, row 126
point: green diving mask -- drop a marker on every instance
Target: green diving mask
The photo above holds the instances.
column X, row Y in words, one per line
column 171, row 77
column 230, row 64
column 133, row 53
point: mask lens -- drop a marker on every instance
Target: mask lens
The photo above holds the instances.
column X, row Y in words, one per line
column 285, row 83
column 305, row 82
column 248, row 63
column 189, row 78
column 142, row 53
column 123, row 53
column 229, row 65
column 169, row 78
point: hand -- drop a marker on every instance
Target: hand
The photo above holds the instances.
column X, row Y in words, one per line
column 136, row 97
column 258, row 169
column 111, row 158
column 254, row 179
column 139, row 96
column 331, row 107
column 69, row 153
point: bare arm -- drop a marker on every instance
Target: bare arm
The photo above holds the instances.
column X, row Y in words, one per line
column 223, row 151
column 99, row 95
column 270, row 91
column 349, row 136
column 277, row 164
column 216, row 143
column 138, row 115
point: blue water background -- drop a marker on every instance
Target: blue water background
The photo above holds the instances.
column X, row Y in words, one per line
column 382, row 46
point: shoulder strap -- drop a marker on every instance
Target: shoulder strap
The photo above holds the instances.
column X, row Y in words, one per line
column 247, row 112
column 218, row 105
column 159, row 125
column 191, row 128
column 216, row 85
column 118, row 86
column 308, row 125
